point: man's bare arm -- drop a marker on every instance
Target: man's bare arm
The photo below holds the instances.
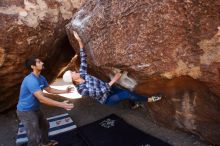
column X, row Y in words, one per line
column 56, row 91
column 51, row 102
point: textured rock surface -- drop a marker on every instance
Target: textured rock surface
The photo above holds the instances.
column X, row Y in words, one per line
column 167, row 46
column 32, row 27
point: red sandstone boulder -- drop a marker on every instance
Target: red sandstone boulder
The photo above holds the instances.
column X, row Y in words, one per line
column 32, row 27
column 170, row 47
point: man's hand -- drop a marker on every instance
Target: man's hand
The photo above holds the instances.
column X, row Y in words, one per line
column 56, row 91
column 66, row 105
column 78, row 39
column 39, row 95
column 69, row 89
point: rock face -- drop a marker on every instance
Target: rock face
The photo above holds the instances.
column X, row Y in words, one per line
column 166, row 46
column 32, row 28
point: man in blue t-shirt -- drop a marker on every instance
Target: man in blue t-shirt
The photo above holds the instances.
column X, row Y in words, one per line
column 28, row 107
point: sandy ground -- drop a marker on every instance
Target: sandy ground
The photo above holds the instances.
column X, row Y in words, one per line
column 87, row 110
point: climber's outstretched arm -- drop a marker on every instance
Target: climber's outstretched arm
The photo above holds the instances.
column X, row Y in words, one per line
column 115, row 79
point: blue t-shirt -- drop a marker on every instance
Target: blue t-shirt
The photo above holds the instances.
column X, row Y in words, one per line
column 31, row 84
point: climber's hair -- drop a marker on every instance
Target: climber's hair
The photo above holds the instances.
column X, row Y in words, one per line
column 30, row 61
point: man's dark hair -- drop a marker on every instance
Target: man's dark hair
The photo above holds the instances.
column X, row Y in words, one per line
column 29, row 62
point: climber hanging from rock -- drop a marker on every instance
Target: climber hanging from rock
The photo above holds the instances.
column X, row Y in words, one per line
column 103, row 92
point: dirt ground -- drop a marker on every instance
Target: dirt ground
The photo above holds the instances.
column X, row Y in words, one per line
column 87, row 110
